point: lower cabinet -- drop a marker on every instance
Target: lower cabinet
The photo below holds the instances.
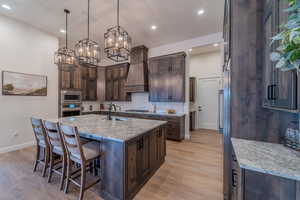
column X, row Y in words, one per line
column 144, row 156
column 252, row 185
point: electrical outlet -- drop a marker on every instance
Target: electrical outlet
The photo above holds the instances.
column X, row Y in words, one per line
column 15, row 134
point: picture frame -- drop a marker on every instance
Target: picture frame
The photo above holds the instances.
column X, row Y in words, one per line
column 21, row 84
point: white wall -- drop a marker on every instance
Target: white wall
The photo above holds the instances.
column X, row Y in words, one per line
column 27, row 50
column 203, row 66
column 206, row 65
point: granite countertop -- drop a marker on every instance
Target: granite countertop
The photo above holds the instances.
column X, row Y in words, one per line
column 268, row 158
column 98, row 127
column 143, row 113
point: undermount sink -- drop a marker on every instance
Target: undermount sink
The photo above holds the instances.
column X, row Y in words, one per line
column 142, row 111
column 119, row 118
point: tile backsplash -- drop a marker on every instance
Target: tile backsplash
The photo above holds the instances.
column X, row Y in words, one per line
column 139, row 101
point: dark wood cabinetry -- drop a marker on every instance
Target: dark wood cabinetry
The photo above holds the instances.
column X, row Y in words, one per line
column 144, row 156
column 280, row 88
column 193, row 89
column 70, row 80
column 89, row 83
column 252, row 185
column 115, row 83
column 167, row 78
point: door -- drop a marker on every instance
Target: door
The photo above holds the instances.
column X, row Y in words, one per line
column 207, row 101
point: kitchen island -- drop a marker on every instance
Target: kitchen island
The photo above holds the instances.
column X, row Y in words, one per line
column 133, row 150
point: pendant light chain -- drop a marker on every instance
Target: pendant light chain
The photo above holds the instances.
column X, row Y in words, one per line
column 118, row 13
column 88, row 19
column 66, row 11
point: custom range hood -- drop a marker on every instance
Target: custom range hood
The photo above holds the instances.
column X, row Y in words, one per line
column 137, row 79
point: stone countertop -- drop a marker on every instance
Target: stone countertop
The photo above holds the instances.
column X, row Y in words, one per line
column 144, row 113
column 268, row 158
column 98, row 127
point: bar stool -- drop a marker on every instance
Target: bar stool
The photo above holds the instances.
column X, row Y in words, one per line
column 41, row 143
column 57, row 148
column 80, row 154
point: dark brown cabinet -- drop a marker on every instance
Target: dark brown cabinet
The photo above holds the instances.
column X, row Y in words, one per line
column 70, row 80
column 115, row 83
column 192, row 89
column 280, row 88
column 145, row 155
column 167, row 78
column 89, row 83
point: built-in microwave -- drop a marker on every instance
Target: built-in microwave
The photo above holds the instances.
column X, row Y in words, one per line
column 71, row 96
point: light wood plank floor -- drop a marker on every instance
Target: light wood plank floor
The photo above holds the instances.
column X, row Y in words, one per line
column 192, row 171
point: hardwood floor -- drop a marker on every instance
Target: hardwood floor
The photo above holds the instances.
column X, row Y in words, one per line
column 192, row 171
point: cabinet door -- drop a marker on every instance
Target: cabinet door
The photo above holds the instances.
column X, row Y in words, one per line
column 92, row 73
column 153, row 80
column 132, row 177
column 109, row 91
column 65, row 80
column 164, row 68
column 84, row 90
column 153, row 152
column 268, row 70
column 145, row 153
column 161, row 144
column 92, row 90
column 284, row 89
column 77, row 79
column 176, row 79
column 115, row 90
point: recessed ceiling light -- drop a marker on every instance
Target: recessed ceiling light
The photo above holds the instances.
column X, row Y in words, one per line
column 153, row 27
column 62, row 30
column 7, row 7
column 201, row 12
column 216, row 44
column 190, row 50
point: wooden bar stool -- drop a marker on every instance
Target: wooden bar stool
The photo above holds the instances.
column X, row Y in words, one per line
column 41, row 143
column 82, row 154
column 57, row 148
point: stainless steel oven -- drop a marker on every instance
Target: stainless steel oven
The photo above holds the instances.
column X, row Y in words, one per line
column 70, row 109
column 70, row 96
column 71, row 103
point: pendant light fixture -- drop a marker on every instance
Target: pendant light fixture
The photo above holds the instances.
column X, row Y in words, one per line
column 64, row 58
column 117, row 41
column 88, row 51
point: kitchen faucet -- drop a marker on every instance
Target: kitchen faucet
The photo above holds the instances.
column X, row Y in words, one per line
column 112, row 106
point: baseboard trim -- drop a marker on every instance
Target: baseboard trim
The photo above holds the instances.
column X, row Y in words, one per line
column 16, row 147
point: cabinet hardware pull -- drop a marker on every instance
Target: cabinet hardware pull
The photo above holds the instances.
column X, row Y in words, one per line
column 234, row 182
column 269, row 92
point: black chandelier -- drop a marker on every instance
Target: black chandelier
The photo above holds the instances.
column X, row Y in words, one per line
column 88, row 51
column 117, row 42
column 64, row 58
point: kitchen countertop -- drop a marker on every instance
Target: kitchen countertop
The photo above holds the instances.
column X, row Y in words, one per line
column 143, row 113
column 98, row 127
column 268, row 158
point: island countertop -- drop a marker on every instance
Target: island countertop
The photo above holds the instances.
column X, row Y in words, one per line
column 268, row 158
column 98, row 127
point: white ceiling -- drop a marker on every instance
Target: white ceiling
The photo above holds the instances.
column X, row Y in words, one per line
column 176, row 20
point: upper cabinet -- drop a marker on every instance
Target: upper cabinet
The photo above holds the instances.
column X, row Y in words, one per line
column 167, row 78
column 280, row 88
column 89, row 83
column 116, row 76
column 70, row 80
